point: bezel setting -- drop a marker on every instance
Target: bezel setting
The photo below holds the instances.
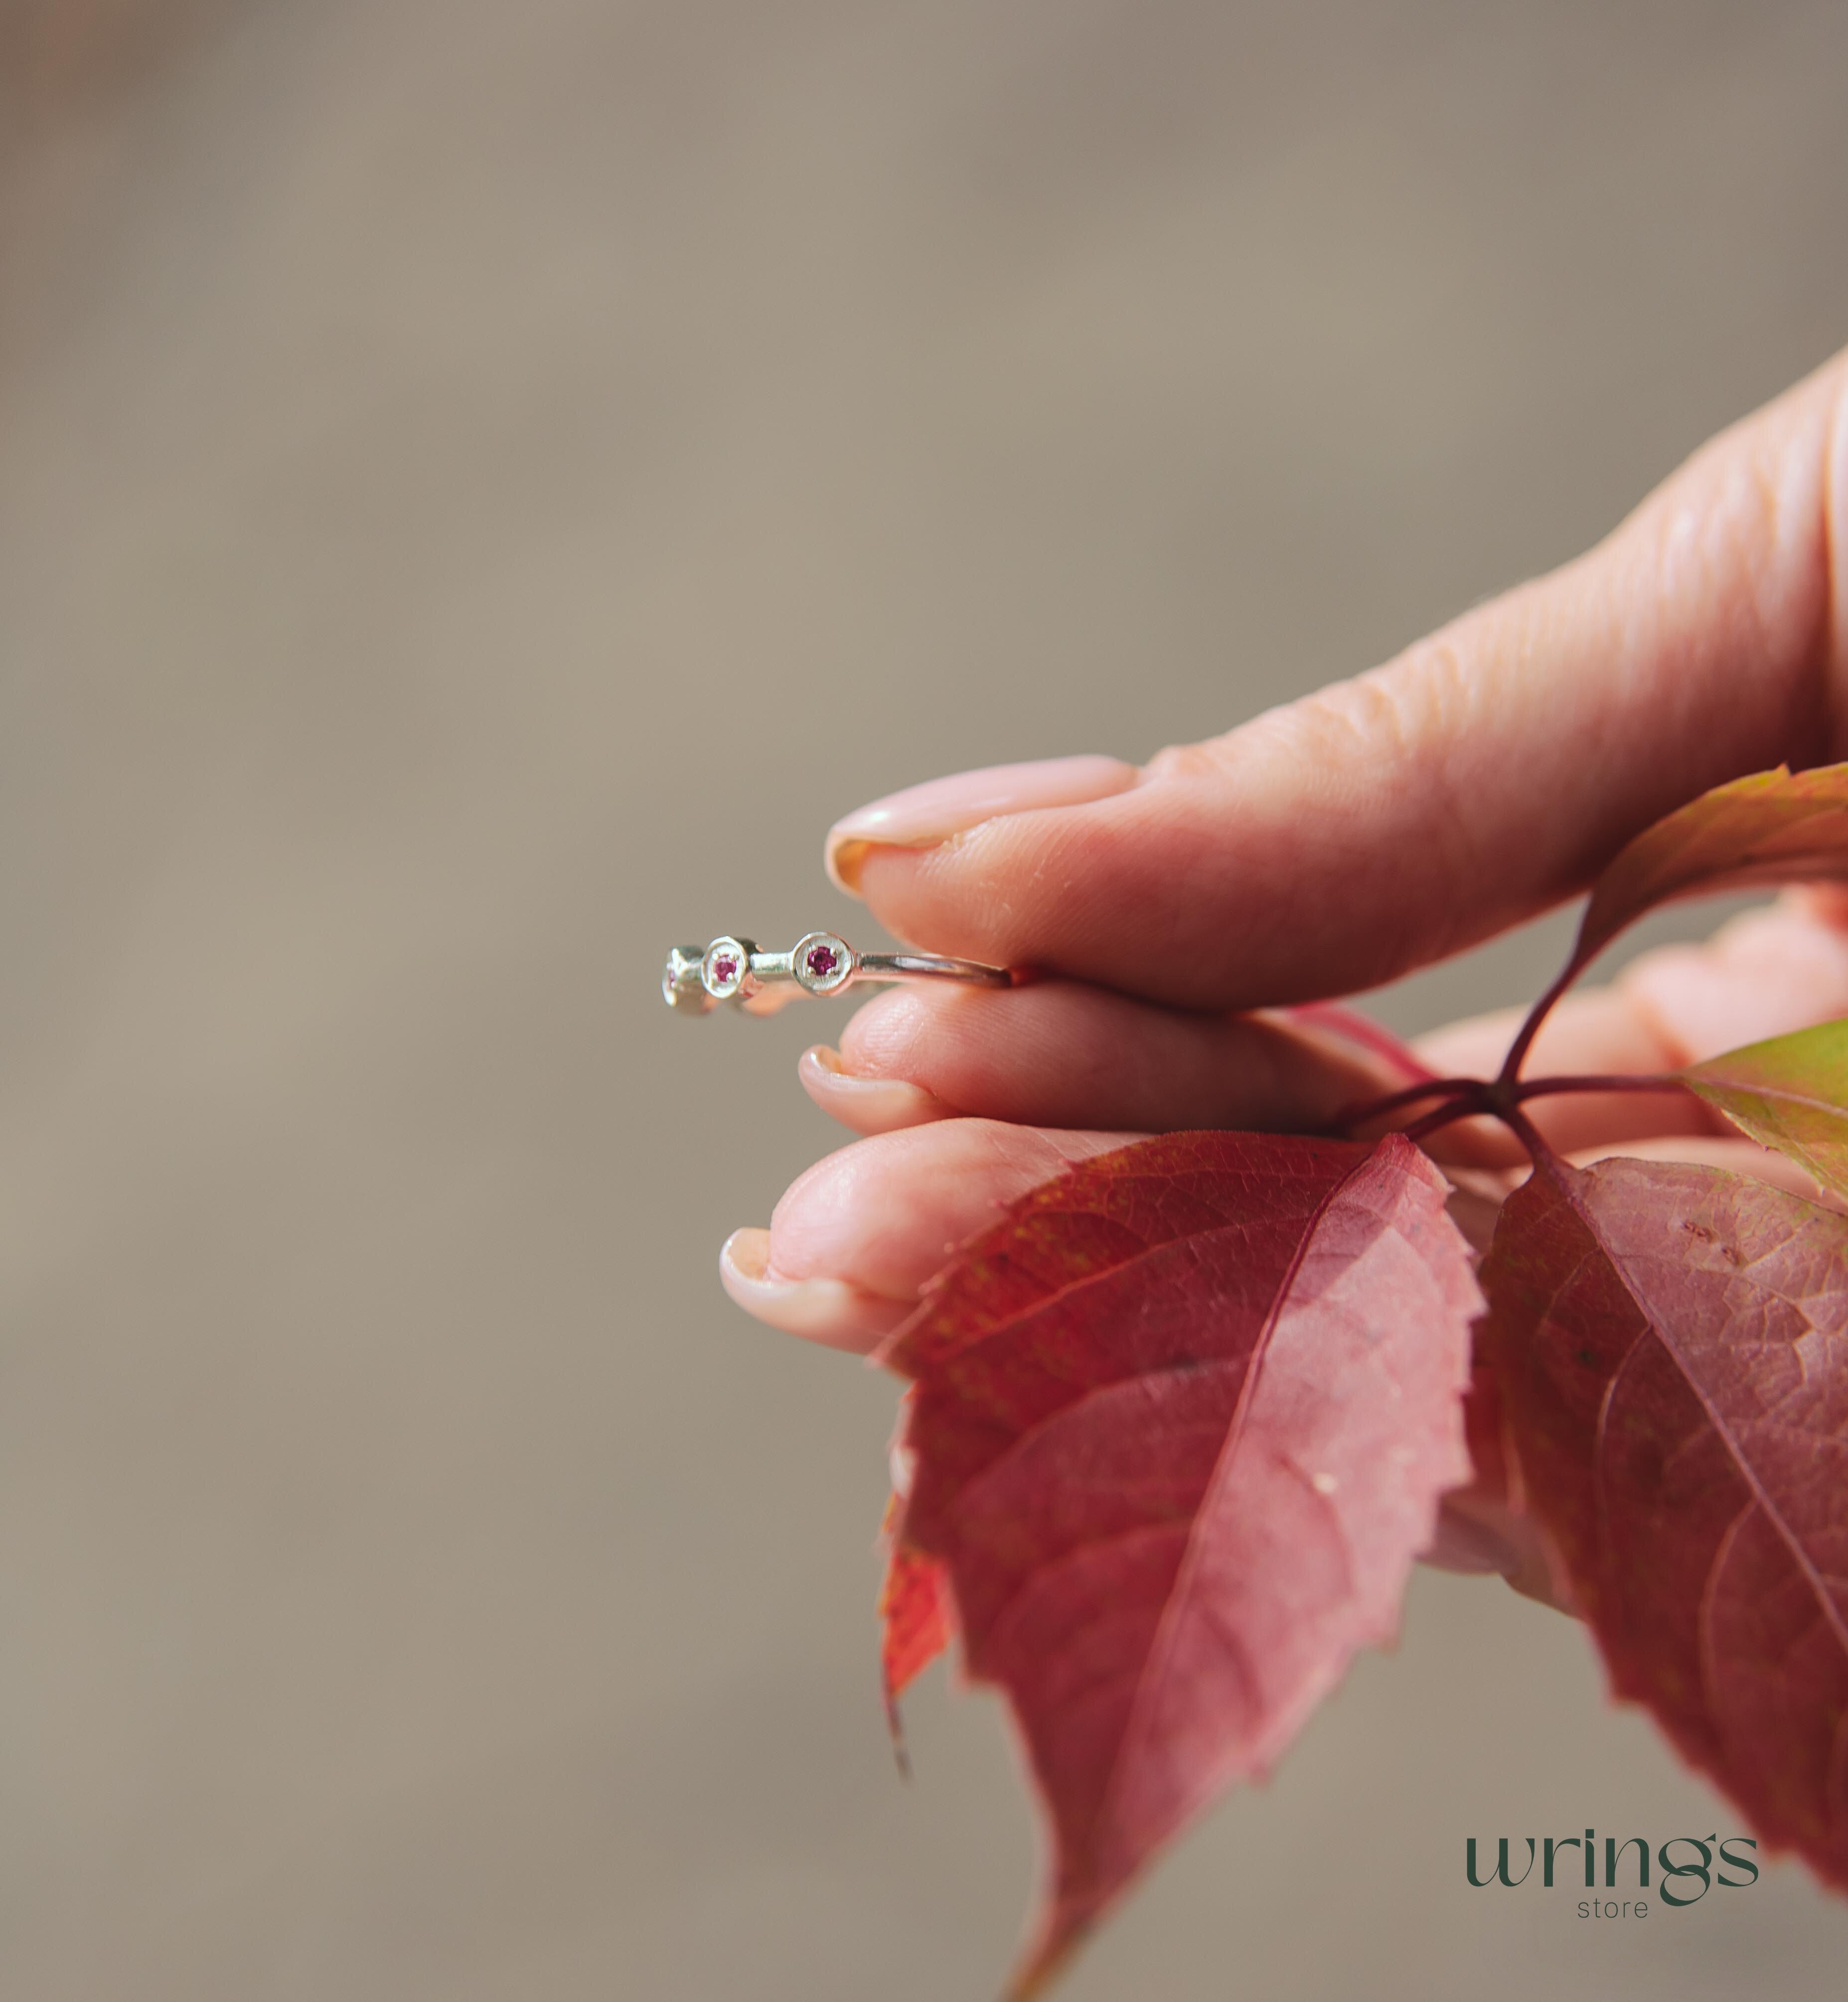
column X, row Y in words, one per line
column 681, row 985
column 725, row 966
column 822, row 962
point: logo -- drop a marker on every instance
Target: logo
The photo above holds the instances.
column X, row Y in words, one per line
column 1687, row 1867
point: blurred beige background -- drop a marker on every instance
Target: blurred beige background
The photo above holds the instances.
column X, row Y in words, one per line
column 481, row 487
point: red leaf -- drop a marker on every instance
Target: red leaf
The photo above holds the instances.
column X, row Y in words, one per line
column 914, row 1607
column 1672, row 1347
column 1181, row 1426
column 916, row 1615
column 1775, row 827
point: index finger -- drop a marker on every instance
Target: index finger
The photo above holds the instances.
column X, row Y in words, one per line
column 1486, row 773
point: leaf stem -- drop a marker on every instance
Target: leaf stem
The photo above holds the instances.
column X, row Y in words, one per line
column 1470, row 1095
column 1394, row 1101
column 1463, row 1107
column 1528, row 1134
column 1517, row 1054
column 1544, row 1087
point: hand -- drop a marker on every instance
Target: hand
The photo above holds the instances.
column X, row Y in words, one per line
column 1327, row 846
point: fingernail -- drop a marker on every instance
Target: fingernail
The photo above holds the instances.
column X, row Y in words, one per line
column 827, row 1311
column 866, row 1105
column 923, row 815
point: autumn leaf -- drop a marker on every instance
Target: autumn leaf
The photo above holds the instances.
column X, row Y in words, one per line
column 1671, row 1346
column 1180, row 1427
column 916, row 1619
column 1789, row 1093
column 1773, row 828
column 913, row 1610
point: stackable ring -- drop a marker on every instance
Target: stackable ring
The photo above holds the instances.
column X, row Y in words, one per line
column 697, row 978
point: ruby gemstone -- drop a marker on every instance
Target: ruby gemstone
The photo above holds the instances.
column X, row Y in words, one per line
column 725, row 969
column 821, row 960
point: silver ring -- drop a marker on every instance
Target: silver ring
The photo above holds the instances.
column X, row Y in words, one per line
column 697, row 978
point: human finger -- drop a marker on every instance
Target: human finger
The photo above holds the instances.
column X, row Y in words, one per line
column 866, row 1102
column 1061, row 1054
column 1486, row 773
column 1058, row 1053
column 852, row 1241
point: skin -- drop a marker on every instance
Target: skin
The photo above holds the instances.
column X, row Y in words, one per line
column 1485, row 774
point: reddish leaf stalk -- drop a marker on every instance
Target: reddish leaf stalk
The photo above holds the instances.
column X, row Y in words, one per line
column 1517, row 1053
column 1545, row 1087
column 1467, row 1097
column 1528, row 1134
column 1465, row 1106
column 1352, row 1116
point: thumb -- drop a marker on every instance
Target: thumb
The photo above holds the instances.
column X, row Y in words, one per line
column 1486, row 772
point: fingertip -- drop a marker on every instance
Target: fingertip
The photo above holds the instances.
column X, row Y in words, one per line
column 829, row 1312
column 865, row 1105
column 884, row 1213
column 924, row 815
column 842, row 859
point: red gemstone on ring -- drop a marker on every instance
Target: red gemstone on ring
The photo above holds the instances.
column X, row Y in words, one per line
column 725, row 969
column 821, row 960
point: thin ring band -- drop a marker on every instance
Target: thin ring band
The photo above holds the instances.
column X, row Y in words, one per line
column 696, row 979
